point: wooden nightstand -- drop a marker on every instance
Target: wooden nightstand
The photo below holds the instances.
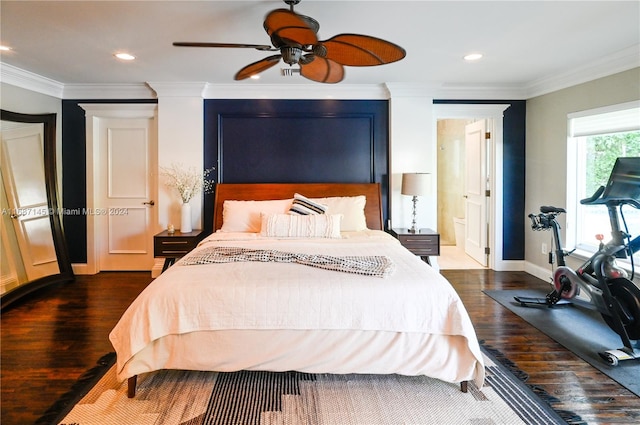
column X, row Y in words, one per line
column 175, row 245
column 425, row 242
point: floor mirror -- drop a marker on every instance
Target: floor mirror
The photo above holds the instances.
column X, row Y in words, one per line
column 33, row 250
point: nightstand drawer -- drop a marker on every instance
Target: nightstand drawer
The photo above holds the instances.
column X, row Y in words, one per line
column 176, row 245
column 424, row 243
column 422, row 250
column 418, row 240
column 172, row 248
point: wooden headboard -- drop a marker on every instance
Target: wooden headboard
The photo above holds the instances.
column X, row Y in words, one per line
column 267, row 191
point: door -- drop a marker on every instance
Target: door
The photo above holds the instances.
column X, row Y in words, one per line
column 476, row 185
column 24, row 184
column 125, row 216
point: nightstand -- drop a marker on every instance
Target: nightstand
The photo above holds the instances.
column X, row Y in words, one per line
column 176, row 245
column 425, row 242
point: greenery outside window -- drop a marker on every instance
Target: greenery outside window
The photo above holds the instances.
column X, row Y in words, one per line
column 596, row 138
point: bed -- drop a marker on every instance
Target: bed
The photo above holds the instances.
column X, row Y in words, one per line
column 324, row 292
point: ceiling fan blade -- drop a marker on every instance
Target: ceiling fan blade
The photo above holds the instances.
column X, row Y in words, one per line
column 362, row 50
column 286, row 28
column 322, row 70
column 257, row 67
column 204, row 44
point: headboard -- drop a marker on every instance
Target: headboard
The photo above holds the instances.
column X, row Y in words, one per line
column 267, row 191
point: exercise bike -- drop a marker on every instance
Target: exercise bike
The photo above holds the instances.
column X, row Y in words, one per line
column 608, row 286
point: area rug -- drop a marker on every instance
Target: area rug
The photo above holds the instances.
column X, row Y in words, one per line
column 294, row 398
column 580, row 330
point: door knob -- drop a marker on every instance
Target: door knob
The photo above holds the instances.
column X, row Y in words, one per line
column 149, row 203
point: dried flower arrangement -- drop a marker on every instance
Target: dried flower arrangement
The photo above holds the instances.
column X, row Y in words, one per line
column 188, row 181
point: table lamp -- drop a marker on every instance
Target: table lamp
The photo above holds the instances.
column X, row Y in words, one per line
column 416, row 184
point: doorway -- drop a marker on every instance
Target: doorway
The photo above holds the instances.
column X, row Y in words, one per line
column 121, row 186
column 453, row 157
column 468, row 113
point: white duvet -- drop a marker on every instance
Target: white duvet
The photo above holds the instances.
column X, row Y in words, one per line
column 284, row 296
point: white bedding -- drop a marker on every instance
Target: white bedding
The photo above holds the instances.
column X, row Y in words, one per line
column 254, row 298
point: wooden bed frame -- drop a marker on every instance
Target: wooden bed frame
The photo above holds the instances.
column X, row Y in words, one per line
column 270, row 191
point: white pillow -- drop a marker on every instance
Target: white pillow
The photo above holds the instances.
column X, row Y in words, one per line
column 351, row 208
column 244, row 216
column 301, row 226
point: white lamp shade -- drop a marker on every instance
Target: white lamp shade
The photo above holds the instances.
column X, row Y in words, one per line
column 416, row 184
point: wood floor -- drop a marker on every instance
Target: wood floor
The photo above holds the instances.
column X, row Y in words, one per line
column 49, row 340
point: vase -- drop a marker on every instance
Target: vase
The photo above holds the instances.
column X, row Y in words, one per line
column 185, row 218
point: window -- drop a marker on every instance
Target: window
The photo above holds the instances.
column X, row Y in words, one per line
column 596, row 138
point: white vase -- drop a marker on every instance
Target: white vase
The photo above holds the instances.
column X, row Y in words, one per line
column 185, row 218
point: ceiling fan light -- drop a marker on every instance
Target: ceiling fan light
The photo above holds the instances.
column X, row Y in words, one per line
column 291, row 55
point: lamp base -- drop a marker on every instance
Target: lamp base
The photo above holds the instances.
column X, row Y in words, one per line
column 413, row 228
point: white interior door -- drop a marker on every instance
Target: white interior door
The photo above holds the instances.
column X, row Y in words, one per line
column 476, row 185
column 24, row 184
column 125, row 216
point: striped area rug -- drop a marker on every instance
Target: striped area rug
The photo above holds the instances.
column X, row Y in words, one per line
column 294, row 398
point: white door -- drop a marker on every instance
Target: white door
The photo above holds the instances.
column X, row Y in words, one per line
column 476, row 185
column 24, row 184
column 124, row 212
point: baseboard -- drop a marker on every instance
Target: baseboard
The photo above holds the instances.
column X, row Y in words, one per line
column 509, row 266
column 537, row 271
column 156, row 270
column 82, row 268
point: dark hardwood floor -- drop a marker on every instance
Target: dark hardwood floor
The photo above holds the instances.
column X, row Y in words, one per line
column 49, row 340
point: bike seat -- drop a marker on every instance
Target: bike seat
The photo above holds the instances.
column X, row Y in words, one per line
column 548, row 209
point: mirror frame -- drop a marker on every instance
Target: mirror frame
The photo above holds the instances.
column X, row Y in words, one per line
column 59, row 242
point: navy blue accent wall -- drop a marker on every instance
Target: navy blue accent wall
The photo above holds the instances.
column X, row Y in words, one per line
column 280, row 141
column 513, row 224
column 74, row 174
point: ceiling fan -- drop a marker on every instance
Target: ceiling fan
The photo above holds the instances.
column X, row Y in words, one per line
column 295, row 37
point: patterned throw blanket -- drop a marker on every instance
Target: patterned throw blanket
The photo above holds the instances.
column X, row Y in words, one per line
column 379, row 266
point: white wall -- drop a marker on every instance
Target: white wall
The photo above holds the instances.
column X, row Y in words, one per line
column 546, row 149
column 180, row 141
column 411, row 142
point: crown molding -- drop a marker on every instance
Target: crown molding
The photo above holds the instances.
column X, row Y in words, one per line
column 178, row 89
column 9, row 74
column 622, row 60
column 296, row 91
column 108, row 91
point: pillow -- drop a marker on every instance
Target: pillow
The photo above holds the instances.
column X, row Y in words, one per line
column 301, row 226
column 351, row 208
column 244, row 216
column 304, row 206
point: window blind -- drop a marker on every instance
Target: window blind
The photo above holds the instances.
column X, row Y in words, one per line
column 616, row 119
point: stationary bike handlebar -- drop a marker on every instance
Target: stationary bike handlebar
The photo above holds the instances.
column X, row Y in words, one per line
column 595, row 199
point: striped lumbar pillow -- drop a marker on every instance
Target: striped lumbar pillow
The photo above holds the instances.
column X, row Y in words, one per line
column 304, row 206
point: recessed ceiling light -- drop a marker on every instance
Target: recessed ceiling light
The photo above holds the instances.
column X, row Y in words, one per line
column 473, row 56
column 255, row 77
column 5, row 48
column 125, row 56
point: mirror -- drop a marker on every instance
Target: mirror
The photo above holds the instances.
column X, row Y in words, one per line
column 33, row 249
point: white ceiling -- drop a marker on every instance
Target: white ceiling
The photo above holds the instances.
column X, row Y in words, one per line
column 528, row 46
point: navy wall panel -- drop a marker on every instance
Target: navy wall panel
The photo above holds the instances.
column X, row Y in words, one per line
column 311, row 141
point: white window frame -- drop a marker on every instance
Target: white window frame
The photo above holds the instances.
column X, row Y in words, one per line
column 614, row 118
